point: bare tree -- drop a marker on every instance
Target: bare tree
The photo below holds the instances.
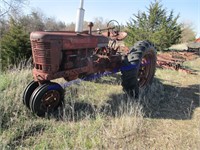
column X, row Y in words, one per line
column 33, row 21
column 100, row 23
column 8, row 6
column 38, row 21
column 188, row 32
column 52, row 25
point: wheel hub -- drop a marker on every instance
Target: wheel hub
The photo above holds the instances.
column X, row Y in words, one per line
column 50, row 99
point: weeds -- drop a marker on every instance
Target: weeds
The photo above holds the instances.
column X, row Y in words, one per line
column 99, row 115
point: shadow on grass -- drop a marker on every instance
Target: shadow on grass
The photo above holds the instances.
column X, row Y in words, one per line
column 178, row 103
column 160, row 101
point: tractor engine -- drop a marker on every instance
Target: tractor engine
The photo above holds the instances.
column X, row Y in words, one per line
column 68, row 54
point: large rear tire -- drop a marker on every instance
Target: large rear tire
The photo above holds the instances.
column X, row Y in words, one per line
column 138, row 68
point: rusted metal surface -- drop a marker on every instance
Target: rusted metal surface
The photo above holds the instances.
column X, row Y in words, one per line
column 197, row 40
column 68, row 54
column 50, row 99
column 145, row 69
column 194, row 46
column 115, row 36
column 174, row 60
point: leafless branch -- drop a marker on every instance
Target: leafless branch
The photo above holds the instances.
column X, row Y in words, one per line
column 7, row 6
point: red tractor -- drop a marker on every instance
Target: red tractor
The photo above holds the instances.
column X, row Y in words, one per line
column 71, row 55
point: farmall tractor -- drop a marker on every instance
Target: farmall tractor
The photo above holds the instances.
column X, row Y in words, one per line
column 71, row 55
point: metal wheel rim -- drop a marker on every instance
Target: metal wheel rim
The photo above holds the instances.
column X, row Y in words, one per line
column 145, row 72
column 50, row 100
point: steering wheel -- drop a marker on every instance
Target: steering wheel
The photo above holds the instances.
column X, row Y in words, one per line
column 114, row 26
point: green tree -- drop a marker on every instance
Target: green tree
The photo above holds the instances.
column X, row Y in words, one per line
column 15, row 45
column 155, row 25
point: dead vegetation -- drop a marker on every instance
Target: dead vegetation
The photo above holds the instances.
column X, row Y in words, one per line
column 98, row 115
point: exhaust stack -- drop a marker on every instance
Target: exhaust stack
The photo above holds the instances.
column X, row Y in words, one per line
column 80, row 18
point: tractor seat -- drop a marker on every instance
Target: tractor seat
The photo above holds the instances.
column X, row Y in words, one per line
column 120, row 36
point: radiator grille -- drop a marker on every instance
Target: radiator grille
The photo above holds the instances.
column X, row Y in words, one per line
column 42, row 55
column 43, row 60
column 41, row 45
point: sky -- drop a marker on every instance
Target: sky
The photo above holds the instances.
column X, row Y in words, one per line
column 120, row 10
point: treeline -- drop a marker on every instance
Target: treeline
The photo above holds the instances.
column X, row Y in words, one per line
column 155, row 24
column 15, row 32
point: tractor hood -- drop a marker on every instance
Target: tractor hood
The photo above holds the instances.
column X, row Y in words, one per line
column 70, row 40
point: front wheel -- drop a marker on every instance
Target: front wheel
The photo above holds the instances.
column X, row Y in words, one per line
column 138, row 68
column 46, row 98
column 28, row 92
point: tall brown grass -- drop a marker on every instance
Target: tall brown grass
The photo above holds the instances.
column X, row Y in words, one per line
column 99, row 115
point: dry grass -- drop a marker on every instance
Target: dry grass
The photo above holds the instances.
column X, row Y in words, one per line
column 98, row 115
column 179, row 46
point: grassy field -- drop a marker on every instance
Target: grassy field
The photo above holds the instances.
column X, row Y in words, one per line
column 98, row 115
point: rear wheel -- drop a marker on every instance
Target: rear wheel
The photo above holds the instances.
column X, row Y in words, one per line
column 138, row 68
column 46, row 98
